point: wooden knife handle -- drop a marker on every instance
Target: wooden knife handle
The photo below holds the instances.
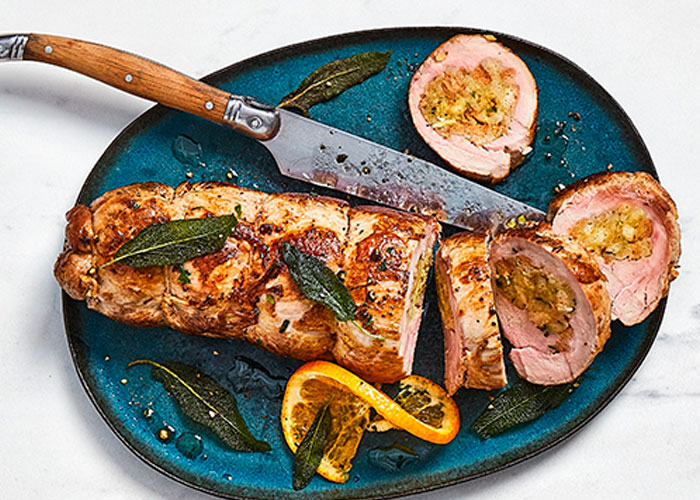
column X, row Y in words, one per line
column 144, row 78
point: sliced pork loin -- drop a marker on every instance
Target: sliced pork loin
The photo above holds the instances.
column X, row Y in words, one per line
column 473, row 348
column 288, row 323
column 629, row 223
column 387, row 261
column 213, row 294
column 551, row 301
column 94, row 234
column 475, row 103
column 244, row 290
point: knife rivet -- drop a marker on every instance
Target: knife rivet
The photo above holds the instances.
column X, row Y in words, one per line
column 209, row 105
column 128, row 78
column 48, row 49
column 255, row 122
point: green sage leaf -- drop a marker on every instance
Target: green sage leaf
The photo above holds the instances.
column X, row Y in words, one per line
column 521, row 402
column 318, row 283
column 205, row 402
column 333, row 78
column 184, row 275
column 310, row 452
column 175, row 242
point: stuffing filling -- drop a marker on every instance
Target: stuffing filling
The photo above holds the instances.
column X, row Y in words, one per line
column 549, row 301
column 443, row 294
column 623, row 232
column 478, row 103
column 420, row 280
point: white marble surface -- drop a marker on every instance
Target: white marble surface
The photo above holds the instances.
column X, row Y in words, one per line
column 54, row 125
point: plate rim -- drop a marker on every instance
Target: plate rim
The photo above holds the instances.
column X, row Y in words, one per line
column 156, row 111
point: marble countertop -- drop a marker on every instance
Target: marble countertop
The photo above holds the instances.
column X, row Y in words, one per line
column 54, row 125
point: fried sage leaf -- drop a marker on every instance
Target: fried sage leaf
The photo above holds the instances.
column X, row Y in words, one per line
column 310, row 452
column 184, row 276
column 205, row 402
column 521, row 402
column 176, row 241
column 319, row 283
column 333, row 78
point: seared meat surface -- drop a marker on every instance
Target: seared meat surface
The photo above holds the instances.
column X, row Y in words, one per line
column 288, row 323
column 386, row 265
column 213, row 296
column 128, row 294
column 244, row 290
column 473, row 348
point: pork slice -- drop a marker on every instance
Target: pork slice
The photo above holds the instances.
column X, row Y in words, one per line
column 539, row 356
column 289, row 324
column 635, row 286
column 494, row 160
column 212, row 295
column 473, row 348
column 124, row 293
column 387, row 261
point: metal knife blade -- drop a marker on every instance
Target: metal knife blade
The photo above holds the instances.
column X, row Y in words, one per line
column 304, row 149
column 326, row 156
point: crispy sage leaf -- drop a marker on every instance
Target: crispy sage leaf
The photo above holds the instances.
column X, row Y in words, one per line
column 521, row 402
column 175, row 242
column 206, row 402
column 310, row 452
column 318, row 283
column 184, row 275
column 333, row 78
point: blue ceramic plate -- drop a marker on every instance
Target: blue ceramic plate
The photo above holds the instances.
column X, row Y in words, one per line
column 581, row 130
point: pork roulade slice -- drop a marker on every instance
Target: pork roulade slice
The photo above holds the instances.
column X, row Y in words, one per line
column 629, row 223
column 475, row 103
column 551, row 301
column 387, row 262
column 473, row 348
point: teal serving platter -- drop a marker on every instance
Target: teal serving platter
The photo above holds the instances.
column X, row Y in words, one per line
column 581, row 130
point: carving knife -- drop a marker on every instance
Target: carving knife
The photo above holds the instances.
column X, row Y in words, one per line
column 303, row 149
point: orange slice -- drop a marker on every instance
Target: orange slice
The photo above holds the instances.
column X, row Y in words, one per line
column 430, row 413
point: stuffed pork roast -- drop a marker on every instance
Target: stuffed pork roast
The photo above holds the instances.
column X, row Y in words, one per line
column 475, row 103
column 245, row 290
column 473, row 349
column 628, row 222
column 551, row 301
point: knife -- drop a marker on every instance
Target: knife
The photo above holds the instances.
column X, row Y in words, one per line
column 302, row 148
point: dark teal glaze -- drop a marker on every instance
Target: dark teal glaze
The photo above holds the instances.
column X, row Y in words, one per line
column 144, row 152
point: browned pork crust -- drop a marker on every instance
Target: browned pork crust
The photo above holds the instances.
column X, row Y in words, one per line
column 473, row 348
column 383, row 267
